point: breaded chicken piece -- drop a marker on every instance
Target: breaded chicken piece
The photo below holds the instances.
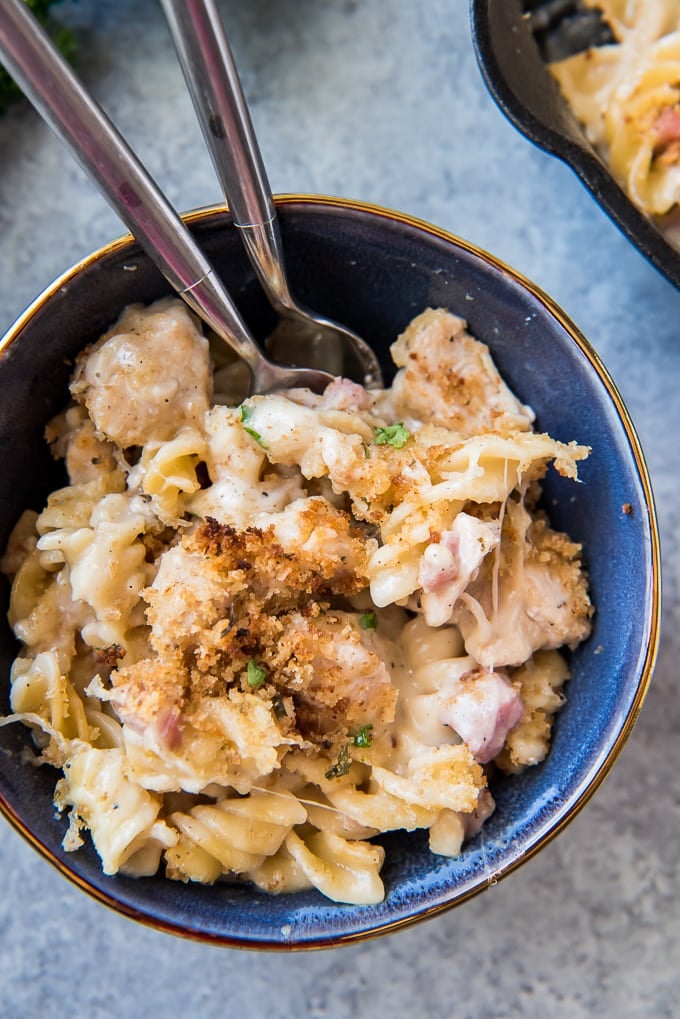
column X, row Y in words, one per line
column 72, row 437
column 535, row 597
column 147, row 377
column 338, row 683
column 232, row 609
column 448, row 378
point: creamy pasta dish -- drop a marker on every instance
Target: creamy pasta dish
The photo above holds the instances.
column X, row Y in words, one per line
column 627, row 96
column 255, row 634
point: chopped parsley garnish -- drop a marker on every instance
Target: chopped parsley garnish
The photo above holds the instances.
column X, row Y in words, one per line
column 278, row 707
column 363, row 738
column 256, row 674
column 254, row 434
column 392, row 435
column 246, row 413
column 342, row 765
column 368, row 621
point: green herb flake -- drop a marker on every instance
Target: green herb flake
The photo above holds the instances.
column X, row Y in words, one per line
column 278, row 707
column 256, row 674
column 368, row 621
column 363, row 738
column 245, row 414
column 342, row 765
column 255, row 435
column 392, row 435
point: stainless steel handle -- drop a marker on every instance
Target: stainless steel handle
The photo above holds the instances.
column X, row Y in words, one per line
column 47, row 80
column 214, row 84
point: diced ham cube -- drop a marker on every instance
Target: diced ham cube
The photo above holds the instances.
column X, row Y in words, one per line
column 483, row 709
column 343, row 394
column 667, row 127
column 448, row 566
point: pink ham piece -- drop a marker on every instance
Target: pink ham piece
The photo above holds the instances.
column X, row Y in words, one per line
column 483, row 709
column 448, row 565
column 170, row 728
column 343, row 394
column 667, row 126
column 474, row 822
column 667, row 137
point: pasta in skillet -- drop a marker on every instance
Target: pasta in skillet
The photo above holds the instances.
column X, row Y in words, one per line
column 254, row 635
column 627, row 96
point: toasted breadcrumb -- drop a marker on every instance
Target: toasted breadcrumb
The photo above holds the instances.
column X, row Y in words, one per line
column 449, row 378
column 255, row 635
column 224, row 598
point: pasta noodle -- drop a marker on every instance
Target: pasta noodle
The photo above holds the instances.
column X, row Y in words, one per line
column 254, row 636
column 627, row 96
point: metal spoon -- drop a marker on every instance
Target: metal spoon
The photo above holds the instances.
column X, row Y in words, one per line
column 47, row 80
column 213, row 81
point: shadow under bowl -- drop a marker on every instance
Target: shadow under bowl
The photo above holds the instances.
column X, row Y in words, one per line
column 374, row 270
column 525, row 91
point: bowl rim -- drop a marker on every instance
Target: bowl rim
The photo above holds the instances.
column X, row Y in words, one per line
column 570, row 146
column 551, row 828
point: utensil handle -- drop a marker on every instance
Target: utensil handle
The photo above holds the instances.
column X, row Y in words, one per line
column 213, row 81
column 49, row 83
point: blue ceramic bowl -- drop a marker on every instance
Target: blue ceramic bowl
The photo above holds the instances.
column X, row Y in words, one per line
column 374, row 270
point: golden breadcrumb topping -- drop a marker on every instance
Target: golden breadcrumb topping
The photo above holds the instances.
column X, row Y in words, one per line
column 256, row 635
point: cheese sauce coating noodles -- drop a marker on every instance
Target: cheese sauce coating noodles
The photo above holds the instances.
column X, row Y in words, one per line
column 255, row 634
column 627, row 96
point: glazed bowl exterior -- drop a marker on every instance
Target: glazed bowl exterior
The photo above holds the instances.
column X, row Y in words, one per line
column 374, row 270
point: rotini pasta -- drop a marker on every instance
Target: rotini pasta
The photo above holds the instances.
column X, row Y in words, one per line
column 627, row 96
column 254, row 636
column 237, row 833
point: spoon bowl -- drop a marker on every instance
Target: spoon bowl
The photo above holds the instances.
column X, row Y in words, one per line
column 302, row 337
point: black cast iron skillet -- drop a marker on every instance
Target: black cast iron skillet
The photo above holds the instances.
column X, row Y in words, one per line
column 513, row 40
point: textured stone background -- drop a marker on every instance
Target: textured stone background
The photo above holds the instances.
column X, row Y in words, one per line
column 379, row 100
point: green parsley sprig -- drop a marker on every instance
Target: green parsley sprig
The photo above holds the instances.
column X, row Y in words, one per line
column 256, row 674
column 342, row 765
column 278, row 706
column 392, row 435
column 246, row 414
column 363, row 738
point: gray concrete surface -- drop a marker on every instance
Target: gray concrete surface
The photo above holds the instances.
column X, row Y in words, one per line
column 379, row 100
